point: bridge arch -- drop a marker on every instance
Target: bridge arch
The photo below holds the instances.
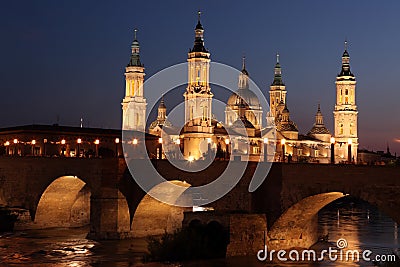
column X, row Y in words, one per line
column 64, row 203
column 153, row 217
column 297, row 226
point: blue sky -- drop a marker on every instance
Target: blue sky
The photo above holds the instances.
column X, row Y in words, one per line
column 66, row 59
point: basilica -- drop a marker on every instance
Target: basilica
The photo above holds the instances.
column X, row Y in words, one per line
column 248, row 132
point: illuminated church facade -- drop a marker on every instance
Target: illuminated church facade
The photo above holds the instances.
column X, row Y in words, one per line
column 243, row 135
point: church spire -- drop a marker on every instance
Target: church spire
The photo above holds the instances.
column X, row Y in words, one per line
column 162, row 110
column 135, row 56
column 199, row 39
column 244, row 76
column 319, row 130
column 277, row 73
column 345, row 62
column 319, row 119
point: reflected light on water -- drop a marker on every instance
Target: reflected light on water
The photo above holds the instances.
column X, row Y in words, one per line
column 338, row 218
column 362, row 225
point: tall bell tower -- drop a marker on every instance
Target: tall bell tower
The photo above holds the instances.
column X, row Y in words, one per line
column 198, row 98
column 134, row 103
column 277, row 92
column 345, row 113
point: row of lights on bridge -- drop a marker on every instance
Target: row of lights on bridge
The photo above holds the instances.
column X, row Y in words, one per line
column 160, row 140
column 63, row 141
column 79, row 141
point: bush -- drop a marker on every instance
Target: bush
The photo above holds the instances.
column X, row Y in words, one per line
column 7, row 219
column 194, row 242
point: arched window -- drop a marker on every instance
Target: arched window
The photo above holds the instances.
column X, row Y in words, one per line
column 198, row 75
column 204, row 110
column 341, row 129
column 137, row 119
column 133, row 88
column 191, row 112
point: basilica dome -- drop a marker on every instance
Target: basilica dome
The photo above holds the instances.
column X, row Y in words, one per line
column 249, row 97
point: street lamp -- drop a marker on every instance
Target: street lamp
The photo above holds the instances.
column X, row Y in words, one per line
column 266, row 149
column 227, row 148
column 79, row 141
column 160, row 148
column 333, row 141
column 283, row 142
column 349, row 142
column 44, row 147
column 135, row 141
column 97, row 142
column 209, row 148
column 116, row 147
column 63, row 147
column 7, row 144
column 15, row 141
column 177, row 151
column 33, row 142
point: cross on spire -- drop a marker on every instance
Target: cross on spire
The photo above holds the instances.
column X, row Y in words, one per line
column 134, row 32
column 277, row 57
column 244, row 62
column 345, row 44
column 199, row 15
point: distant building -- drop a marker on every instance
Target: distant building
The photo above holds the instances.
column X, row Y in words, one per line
column 64, row 141
column 377, row 158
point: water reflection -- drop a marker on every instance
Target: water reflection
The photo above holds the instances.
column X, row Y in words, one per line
column 362, row 225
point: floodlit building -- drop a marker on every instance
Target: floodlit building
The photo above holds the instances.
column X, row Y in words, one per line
column 243, row 133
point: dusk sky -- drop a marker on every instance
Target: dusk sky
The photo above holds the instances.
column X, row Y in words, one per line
column 63, row 60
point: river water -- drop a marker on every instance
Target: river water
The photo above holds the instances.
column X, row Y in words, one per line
column 362, row 225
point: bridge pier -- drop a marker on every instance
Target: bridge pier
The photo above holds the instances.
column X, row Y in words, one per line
column 109, row 216
column 291, row 237
column 247, row 234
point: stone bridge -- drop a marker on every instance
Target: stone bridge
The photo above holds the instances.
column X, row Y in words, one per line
column 69, row 192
